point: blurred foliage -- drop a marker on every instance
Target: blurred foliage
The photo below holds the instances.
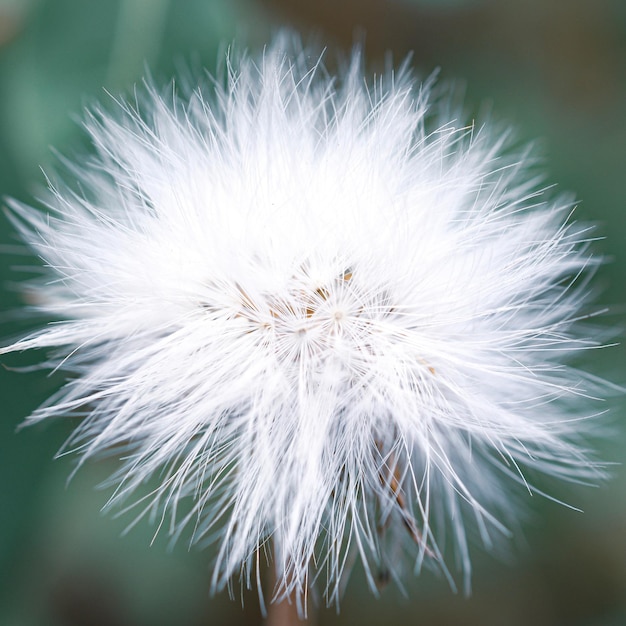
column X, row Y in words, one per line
column 556, row 70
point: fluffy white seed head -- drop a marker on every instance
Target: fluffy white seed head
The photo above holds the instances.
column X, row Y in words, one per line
column 319, row 311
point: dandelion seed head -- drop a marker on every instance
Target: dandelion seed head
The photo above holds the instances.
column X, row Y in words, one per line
column 323, row 311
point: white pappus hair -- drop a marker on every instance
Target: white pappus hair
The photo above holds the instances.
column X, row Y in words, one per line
column 322, row 310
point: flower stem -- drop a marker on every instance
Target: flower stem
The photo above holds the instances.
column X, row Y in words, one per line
column 284, row 611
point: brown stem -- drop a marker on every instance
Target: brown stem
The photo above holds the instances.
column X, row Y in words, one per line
column 284, row 611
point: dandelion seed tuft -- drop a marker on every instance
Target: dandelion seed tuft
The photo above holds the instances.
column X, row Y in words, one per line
column 327, row 313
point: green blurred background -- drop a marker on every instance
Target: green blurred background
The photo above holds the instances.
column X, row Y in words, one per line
column 555, row 69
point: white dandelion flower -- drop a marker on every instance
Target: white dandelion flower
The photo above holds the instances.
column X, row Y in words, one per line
column 321, row 311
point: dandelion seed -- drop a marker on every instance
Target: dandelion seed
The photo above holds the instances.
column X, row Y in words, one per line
column 323, row 312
